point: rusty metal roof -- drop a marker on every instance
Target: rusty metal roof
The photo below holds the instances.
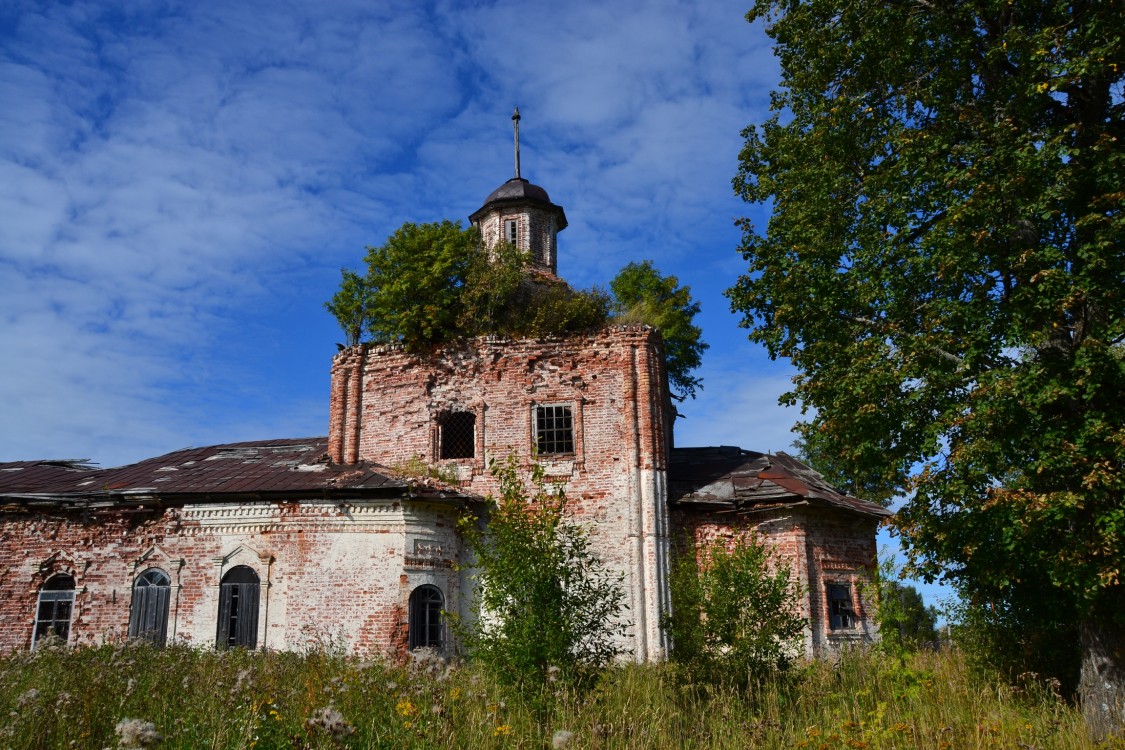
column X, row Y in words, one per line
column 734, row 479
column 265, row 469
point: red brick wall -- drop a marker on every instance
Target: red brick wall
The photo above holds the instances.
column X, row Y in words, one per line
column 614, row 383
column 821, row 547
column 328, row 573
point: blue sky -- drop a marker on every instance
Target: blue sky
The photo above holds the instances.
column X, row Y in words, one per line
column 180, row 184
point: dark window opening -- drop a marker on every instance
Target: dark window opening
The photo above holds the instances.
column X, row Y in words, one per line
column 148, row 614
column 554, row 430
column 56, row 603
column 426, row 603
column 238, row 609
column 511, row 232
column 840, row 613
column 457, row 430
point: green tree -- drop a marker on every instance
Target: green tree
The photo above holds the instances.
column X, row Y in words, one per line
column 350, row 306
column 543, row 599
column 735, row 611
column 641, row 294
column 904, row 619
column 416, row 279
column 944, row 265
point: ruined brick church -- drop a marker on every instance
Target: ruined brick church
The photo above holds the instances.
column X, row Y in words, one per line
column 288, row 543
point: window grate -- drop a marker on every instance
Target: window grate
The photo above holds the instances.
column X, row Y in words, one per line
column 426, row 603
column 554, row 429
column 458, row 434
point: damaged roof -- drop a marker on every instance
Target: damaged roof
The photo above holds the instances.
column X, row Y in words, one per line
column 733, row 479
column 264, row 469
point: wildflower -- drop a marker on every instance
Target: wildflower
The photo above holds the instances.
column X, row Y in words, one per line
column 30, row 696
column 136, row 734
column 331, row 721
column 437, row 709
column 502, row 730
column 243, row 680
column 561, row 739
column 455, row 693
column 406, row 708
column 552, row 673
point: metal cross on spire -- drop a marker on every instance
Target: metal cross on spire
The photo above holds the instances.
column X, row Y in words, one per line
column 516, row 125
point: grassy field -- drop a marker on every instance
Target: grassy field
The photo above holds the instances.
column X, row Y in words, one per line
column 85, row 698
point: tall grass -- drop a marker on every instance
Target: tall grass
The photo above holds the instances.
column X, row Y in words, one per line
column 63, row 698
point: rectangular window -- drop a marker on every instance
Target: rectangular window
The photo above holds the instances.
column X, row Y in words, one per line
column 554, row 429
column 841, row 616
column 511, row 232
column 457, row 431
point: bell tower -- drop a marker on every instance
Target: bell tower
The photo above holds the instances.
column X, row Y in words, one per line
column 522, row 214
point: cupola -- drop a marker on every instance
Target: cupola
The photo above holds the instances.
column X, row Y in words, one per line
column 522, row 214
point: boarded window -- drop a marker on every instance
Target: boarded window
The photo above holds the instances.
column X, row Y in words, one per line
column 238, row 609
column 840, row 613
column 554, row 429
column 148, row 614
column 426, row 603
column 56, row 603
column 458, row 434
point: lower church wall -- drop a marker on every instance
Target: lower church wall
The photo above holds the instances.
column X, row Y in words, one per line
column 828, row 552
column 337, row 575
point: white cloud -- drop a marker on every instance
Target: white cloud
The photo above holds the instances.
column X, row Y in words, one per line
column 180, row 185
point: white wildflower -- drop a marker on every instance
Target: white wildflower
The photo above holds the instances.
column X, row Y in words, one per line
column 331, row 721
column 561, row 739
column 136, row 734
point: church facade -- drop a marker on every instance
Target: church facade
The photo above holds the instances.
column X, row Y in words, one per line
column 292, row 543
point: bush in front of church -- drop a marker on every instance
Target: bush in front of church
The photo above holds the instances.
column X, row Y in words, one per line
column 545, row 607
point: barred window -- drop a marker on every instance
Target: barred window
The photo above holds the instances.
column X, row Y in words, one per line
column 426, row 603
column 457, row 434
column 56, row 601
column 554, row 429
column 841, row 616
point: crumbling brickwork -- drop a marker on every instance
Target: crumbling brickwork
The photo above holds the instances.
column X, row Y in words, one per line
column 387, row 405
column 329, row 573
column 823, row 548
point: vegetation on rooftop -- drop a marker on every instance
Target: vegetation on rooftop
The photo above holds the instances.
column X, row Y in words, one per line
column 430, row 284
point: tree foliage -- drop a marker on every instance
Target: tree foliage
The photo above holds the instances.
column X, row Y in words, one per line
column 944, row 265
column 642, row 294
column 433, row 283
column 543, row 598
column 735, row 611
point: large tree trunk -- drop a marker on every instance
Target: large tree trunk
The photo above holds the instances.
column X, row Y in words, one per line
column 1102, row 683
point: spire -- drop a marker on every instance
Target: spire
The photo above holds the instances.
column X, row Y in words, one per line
column 516, row 125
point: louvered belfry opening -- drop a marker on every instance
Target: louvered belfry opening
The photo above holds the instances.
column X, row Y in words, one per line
column 148, row 614
column 458, row 434
column 238, row 609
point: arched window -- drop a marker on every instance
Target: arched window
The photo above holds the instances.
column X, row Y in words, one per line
column 426, row 603
column 458, row 434
column 238, row 609
column 148, row 614
column 56, row 602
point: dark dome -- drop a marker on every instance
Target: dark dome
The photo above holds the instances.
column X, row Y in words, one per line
column 517, row 191
column 517, row 188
